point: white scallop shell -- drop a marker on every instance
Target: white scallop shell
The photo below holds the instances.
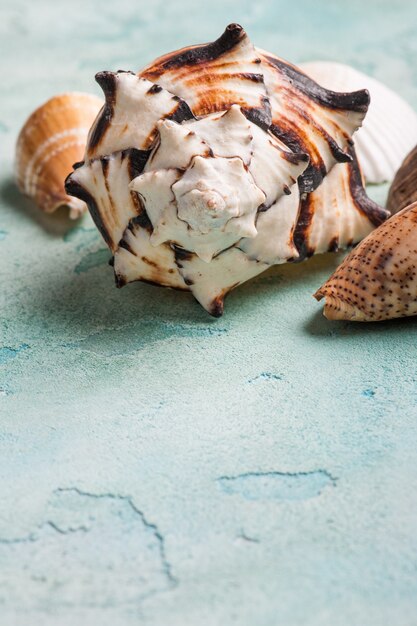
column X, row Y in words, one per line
column 389, row 130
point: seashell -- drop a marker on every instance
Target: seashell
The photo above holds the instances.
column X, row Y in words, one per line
column 51, row 141
column 378, row 279
column 216, row 162
column 389, row 131
column 403, row 190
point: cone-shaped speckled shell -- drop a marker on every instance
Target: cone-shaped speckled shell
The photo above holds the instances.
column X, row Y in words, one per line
column 403, row 190
column 217, row 161
column 50, row 142
column 378, row 279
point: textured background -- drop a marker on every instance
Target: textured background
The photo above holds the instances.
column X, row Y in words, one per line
column 160, row 467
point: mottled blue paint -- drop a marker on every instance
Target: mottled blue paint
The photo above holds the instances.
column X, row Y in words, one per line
column 123, row 341
column 3, row 234
column 276, row 485
column 266, row 376
column 79, row 232
column 77, row 548
column 368, row 393
column 7, row 353
column 92, row 260
column 130, row 404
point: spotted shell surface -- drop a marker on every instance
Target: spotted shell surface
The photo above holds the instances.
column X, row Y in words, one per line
column 217, row 161
column 389, row 131
column 378, row 279
column 403, row 190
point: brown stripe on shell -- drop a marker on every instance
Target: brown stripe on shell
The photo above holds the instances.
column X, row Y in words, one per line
column 105, row 166
column 105, row 138
column 256, row 78
column 295, row 157
column 142, row 220
column 357, row 101
column 197, row 74
column 181, row 113
column 149, row 262
column 182, row 255
column 196, row 55
column 73, row 188
column 123, row 244
column 334, row 244
column 137, row 160
column 297, row 141
column 105, row 207
column 356, row 198
column 375, row 213
column 107, row 81
column 137, row 260
column 261, row 116
column 154, row 89
column 302, row 226
column 297, row 138
column 339, row 155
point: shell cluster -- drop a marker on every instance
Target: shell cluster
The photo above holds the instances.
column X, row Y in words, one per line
column 51, row 141
column 378, row 279
column 217, row 161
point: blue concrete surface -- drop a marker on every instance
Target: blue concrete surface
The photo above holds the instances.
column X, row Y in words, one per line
column 160, row 467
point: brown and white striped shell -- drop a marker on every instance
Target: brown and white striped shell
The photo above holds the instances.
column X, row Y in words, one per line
column 378, row 279
column 389, row 130
column 216, row 162
column 51, row 141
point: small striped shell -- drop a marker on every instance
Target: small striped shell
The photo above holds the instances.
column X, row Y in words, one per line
column 389, row 131
column 378, row 279
column 50, row 142
column 216, row 162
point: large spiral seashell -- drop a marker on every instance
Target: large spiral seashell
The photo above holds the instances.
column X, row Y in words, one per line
column 378, row 279
column 216, row 162
column 50, row 142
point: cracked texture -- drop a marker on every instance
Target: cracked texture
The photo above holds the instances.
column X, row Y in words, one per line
column 78, row 536
column 135, row 393
column 277, row 485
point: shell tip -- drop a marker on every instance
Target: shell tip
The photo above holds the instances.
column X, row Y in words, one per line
column 216, row 307
column 319, row 295
column 107, row 82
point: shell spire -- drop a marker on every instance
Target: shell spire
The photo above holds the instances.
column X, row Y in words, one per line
column 217, row 161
